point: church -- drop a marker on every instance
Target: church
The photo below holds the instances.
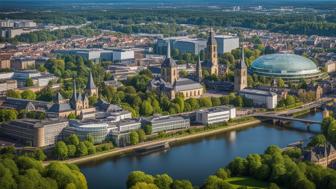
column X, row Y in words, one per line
column 78, row 103
column 170, row 83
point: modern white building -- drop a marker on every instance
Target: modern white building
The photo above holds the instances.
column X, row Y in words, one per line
column 226, row 43
column 166, row 123
column 39, row 79
column 121, row 55
column 215, row 115
column 261, row 98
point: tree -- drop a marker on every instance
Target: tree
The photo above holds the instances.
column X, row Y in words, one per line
column 39, row 155
column 71, row 116
column 29, row 82
column 238, row 166
column 143, row 185
column 71, row 150
column 273, row 186
column 181, row 184
column 163, row 181
column 134, row 137
column 73, row 139
column 138, row 176
column 13, row 94
column 205, row 102
column 146, row 108
column 148, row 129
column 281, row 83
column 82, row 150
column 28, row 94
column 223, row 173
column 142, row 135
column 318, row 140
column 61, row 150
column 213, row 182
column 215, row 101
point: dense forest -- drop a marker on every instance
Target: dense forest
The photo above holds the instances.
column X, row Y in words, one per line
column 154, row 20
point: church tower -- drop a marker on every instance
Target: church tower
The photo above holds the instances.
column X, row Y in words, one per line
column 91, row 89
column 169, row 72
column 212, row 53
column 198, row 73
column 240, row 74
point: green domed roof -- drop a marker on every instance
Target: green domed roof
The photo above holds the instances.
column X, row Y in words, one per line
column 284, row 64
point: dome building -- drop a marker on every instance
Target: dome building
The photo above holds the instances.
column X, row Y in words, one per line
column 289, row 67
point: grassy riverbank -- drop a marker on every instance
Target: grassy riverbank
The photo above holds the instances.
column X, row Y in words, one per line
column 171, row 139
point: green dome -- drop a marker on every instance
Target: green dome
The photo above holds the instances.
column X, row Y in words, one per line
column 287, row 66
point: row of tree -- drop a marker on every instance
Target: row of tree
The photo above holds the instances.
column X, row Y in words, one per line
column 275, row 166
column 23, row 172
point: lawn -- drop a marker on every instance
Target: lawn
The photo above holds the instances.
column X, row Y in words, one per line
column 245, row 181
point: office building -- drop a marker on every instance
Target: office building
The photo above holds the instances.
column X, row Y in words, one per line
column 32, row 132
column 39, row 79
column 226, row 43
column 260, row 98
column 6, row 85
column 98, row 130
column 215, row 115
column 21, row 63
column 166, row 123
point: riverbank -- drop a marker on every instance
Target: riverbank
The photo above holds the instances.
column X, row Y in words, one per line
column 176, row 139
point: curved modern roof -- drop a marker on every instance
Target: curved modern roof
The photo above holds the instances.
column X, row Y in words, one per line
column 286, row 65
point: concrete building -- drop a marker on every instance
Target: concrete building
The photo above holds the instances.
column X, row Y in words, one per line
column 5, row 63
column 110, row 111
column 215, row 115
column 31, row 132
column 8, row 23
column 261, row 98
column 6, row 85
column 24, row 104
column 226, row 43
column 193, row 46
column 166, row 123
column 123, row 56
column 21, row 63
column 39, row 79
column 98, row 130
column 330, row 66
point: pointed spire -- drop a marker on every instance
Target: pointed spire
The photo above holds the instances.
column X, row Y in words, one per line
column 74, row 93
column 199, row 69
column 58, row 98
column 90, row 83
column 168, row 49
column 241, row 63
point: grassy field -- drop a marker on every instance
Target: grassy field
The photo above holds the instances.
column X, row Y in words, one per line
column 245, row 181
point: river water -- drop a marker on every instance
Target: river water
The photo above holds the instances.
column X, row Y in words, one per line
column 196, row 159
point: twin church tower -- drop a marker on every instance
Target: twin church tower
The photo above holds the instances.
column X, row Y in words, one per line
column 211, row 64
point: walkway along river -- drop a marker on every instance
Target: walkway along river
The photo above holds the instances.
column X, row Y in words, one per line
column 195, row 159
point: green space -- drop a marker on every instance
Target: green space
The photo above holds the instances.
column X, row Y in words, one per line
column 237, row 182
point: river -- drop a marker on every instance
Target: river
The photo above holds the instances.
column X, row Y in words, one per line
column 196, row 159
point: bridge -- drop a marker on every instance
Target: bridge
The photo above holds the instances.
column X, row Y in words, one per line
column 287, row 115
column 277, row 117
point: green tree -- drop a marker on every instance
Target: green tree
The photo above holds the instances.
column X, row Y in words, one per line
column 163, row 181
column 142, row 135
column 181, row 184
column 28, row 94
column 71, row 116
column 146, row 108
column 13, row 94
column 134, row 137
column 61, row 150
column 71, row 150
column 73, row 139
column 138, row 176
column 29, row 82
column 143, row 185
column 318, row 140
column 82, row 150
column 238, row 166
column 148, row 129
column 223, row 173
column 39, row 154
